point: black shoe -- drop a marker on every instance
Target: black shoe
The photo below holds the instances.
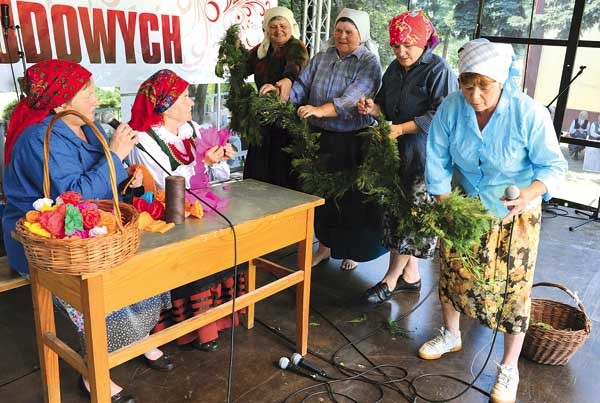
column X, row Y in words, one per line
column 162, row 363
column 403, row 286
column 378, row 293
column 207, row 347
column 121, row 397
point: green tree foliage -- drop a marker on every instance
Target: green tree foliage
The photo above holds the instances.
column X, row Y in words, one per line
column 109, row 98
column 8, row 110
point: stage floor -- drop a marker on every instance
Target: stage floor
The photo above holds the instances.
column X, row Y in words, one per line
column 569, row 258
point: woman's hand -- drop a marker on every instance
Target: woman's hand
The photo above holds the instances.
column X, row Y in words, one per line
column 213, row 155
column 267, row 88
column 137, row 180
column 396, row 131
column 123, row 140
column 306, row 111
column 516, row 206
column 366, row 106
column 285, row 87
column 228, row 152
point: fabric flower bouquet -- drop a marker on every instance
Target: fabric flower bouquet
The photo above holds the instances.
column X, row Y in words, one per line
column 69, row 218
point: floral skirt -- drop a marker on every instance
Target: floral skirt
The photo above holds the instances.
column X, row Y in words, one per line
column 482, row 300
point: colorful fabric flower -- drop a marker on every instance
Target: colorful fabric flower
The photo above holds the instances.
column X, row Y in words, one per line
column 70, row 197
column 73, row 219
column 91, row 217
column 107, row 220
column 32, row 216
column 43, row 204
column 36, row 228
column 86, row 205
column 148, row 196
column 53, row 221
column 97, row 231
column 80, row 234
column 156, row 210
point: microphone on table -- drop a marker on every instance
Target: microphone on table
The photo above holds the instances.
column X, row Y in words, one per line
column 286, row 364
column 511, row 193
column 302, row 362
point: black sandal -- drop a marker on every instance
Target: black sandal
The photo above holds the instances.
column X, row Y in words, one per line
column 378, row 294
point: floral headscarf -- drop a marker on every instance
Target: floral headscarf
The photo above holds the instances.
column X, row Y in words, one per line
column 413, row 28
column 157, row 94
column 48, row 84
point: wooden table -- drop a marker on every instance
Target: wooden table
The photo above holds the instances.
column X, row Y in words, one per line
column 266, row 218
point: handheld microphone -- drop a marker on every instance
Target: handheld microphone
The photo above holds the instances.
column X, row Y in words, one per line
column 511, row 193
column 5, row 17
column 298, row 360
column 114, row 123
column 284, row 363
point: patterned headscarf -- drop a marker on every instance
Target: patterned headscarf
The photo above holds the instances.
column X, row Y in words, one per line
column 157, row 94
column 48, row 84
column 483, row 57
column 413, row 28
column 271, row 13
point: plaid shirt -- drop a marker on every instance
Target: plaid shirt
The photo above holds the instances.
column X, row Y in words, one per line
column 327, row 78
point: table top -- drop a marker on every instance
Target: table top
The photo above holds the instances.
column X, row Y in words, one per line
column 248, row 200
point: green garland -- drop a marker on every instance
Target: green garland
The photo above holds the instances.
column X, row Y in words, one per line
column 376, row 176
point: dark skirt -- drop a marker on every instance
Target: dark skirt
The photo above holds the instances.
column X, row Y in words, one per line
column 351, row 226
column 268, row 162
column 199, row 296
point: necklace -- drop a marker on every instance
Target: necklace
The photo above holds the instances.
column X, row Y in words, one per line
column 176, row 157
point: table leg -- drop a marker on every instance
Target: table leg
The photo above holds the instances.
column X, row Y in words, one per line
column 303, row 288
column 44, row 323
column 96, row 345
column 251, row 286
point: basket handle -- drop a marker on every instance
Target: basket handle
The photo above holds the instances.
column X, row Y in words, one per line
column 566, row 290
column 111, row 167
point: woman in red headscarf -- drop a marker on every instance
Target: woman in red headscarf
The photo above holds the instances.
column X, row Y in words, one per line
column 413, row 87
column 77, row 163
column 162, row 114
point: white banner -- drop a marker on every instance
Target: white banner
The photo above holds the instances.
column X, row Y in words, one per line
column 124, row 41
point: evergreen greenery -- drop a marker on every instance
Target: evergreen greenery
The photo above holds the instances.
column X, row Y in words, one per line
column 458, row 220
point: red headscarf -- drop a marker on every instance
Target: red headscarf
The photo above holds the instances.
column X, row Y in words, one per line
column 155, row 96
column 48, row 84
column 413, row 28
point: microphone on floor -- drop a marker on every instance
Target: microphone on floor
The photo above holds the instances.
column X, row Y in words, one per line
column 302, row 362
column 286, row 364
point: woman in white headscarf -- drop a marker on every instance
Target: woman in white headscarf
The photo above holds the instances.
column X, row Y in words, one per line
column 492, row 135
column 327, row 91
column 276, row 61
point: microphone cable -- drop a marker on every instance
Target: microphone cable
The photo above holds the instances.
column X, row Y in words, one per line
column 353, row 374
column 235, row 269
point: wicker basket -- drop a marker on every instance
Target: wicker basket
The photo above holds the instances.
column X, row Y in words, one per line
column 82, row 256
column 555, row 346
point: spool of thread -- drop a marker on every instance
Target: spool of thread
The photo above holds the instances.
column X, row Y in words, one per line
column 175, row 199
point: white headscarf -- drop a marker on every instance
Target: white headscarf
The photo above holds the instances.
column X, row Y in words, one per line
column 486, row 58
column 362, row 22
column 271, row 13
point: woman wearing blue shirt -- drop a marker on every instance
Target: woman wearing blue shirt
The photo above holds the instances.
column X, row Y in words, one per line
column 328, row 90
column 77, row 163
column 492, row 135
column 414, row 85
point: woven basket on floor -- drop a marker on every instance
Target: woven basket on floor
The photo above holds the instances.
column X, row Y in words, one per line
column 555, row 346
column 82, row 256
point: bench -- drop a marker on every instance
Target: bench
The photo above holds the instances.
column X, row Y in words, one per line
column 9, row 279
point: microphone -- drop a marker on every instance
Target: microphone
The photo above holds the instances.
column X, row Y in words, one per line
column 297, row 359
column 5, row 17
column 511, row 193
column 284, row 363
column 114, row 123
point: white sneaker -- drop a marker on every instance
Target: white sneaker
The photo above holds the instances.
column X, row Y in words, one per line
column 507, row 382
column 446, row 342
